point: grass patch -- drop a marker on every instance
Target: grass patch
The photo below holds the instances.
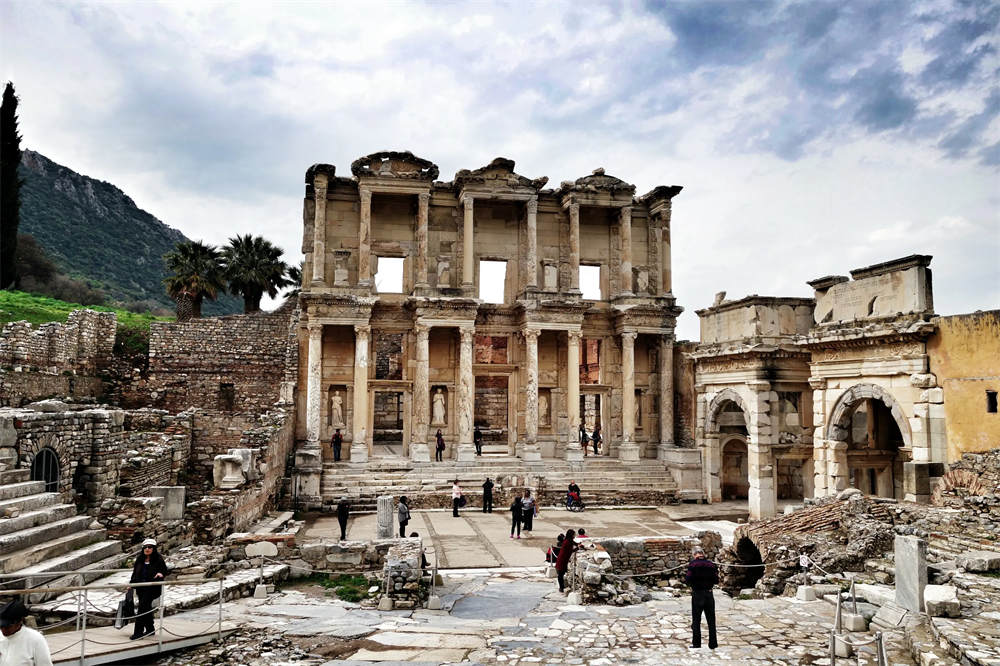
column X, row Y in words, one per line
column 20, row 305
column 345, row 587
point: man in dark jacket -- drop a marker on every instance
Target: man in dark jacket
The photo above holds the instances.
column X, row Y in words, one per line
column 343, row 512
column 488, row 496
column 337, row 442
column 702, row 575
column 477, row 439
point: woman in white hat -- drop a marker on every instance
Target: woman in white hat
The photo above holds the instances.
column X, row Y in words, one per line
column 149, row 568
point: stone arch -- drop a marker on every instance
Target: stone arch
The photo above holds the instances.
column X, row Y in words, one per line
column 838, row 427
column 715, row 407
column 30, row 447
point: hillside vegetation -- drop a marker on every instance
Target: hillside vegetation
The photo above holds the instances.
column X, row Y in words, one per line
column 20, row 305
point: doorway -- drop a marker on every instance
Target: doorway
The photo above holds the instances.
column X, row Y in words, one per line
column 45, row 467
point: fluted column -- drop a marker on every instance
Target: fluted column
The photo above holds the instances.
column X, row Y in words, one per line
column 530, row 450
column 666, row 396
column 531, row 251
column 574, row 247
column 359, row 444
column 420, row 260
column 365, row 239
column 665, row 276
column 319, row 230
column 419, row 450
column 625, row 225
column 573, row 450
column 466, row 393
column 628, row 451
column 468, row 274
column 314, row 378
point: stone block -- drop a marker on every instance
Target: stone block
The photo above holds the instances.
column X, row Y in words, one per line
column 805, row 593
column 942, row 601
column 979, row 561
column 852, row 622
column 911, row 572
column 916, row 480
column 173, row 501
column 935, row 395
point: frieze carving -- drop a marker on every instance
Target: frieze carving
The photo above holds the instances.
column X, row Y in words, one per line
column 392, row 164
column 498, row 174
column 866, row 353
column 598, row 181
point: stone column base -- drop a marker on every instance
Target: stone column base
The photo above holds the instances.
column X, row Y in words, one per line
column 465, row 453
column 420, row 452
column 359, row 454
column 308, row 475
column 574, row 453
column 530, row 452
column 628, row 454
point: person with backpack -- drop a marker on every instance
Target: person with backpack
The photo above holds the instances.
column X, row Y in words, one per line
column 477, row 439
column 596, row 439
column 702, row 575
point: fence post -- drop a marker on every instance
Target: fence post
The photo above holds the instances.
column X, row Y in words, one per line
column 159, row 634
column 833, row 648
column 880, row 654
column 221, row 578
column 79, row 607
column 83, row 637
column 854, row 599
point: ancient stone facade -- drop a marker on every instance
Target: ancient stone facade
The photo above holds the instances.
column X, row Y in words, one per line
column 541, row 361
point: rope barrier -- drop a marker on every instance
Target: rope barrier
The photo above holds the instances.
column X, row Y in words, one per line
column 201, row 633
column 66, row 647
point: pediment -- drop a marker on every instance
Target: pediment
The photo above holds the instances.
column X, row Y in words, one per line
column 598, row 181
column 390, row 164
column 498, row 174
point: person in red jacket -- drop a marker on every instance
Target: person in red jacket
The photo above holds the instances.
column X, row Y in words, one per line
column 702, row 575
column 562, row 562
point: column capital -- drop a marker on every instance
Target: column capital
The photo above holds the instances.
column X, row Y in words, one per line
column 362, row 329
column 625, row 213
column 468, row 201
column 629, row 335
column 320, row 187
column 532, row 205
column 817, row 383
column 366, row 195
column 531, row 333
column 421, row 329
column 424, row 198
column 575, row 336
column 315, row 328
column 467, row 333
column 574, row 208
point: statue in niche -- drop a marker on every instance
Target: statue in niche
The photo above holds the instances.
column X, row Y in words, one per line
column 641, row 281
column 638, row 413
column 340, row 268
column 438, row 416
column 543, row 409
column 337, row 409
column 443, row 272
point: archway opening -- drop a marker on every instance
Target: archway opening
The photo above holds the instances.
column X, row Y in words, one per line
column 874, row 456
column 735, row 475
column 749, row 569
column 45, row 467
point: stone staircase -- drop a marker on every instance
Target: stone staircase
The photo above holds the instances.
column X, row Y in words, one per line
column 602, row 480
column 39, row 534
column 942, row 546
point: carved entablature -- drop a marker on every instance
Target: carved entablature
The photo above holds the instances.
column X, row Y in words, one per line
column 561, row 315
column 497, row 179
column 658, row 199
column 394, row 165
column 884, row 351
column 496, row 318
column 884, row 333
column 641, row 318
column 597, row 189
column 335, row 309
column 443, row 311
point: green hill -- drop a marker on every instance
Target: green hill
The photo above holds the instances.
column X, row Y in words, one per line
column 94, row 231
column 22, row 306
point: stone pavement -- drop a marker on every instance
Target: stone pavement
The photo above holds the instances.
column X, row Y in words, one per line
column 517, row 617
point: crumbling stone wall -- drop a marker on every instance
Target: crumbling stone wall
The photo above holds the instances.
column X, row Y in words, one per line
column 232, row 364
column 974, row 475
column 404, row 577
column 132, row 519
column 156, row 448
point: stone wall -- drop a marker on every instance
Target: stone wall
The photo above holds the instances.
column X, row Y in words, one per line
column 404, row 581
column 156, row 448
column 132, row 519
column 231, row 364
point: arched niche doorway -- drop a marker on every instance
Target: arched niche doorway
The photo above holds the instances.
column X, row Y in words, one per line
column 726, row 432
column 734, row 476
column 45, row 467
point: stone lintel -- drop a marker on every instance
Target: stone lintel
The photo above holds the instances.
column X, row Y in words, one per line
column 892, row 266
column 754, row 299
column 824, row 283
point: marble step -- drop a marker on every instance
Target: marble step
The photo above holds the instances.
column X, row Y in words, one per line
column 29, row 502
column 19, row 475
column 21, row 489
column 36, row 517
column 39, row 534
column 89, row 556
column 31, row 555
column 86, row 572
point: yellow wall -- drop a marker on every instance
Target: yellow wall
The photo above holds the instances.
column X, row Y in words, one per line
column 965, row 355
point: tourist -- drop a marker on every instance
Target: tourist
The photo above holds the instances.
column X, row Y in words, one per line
column 528, row 511
column 337, row 442
column 488, row 496
column 423, row 558
column 439, row 448
column 596, row 439
column 702, row 575
column 477, row 439
column 572, row 493
column 343, row 512
column 581, row 534
column 584, row 440
column 19, row 644
column 403, row 512
column 456, row 498
column 553, row 552
column 516, row 514
column 149, row 567
column 566, row 550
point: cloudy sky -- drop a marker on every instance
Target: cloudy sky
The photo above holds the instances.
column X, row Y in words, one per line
column 811, row 138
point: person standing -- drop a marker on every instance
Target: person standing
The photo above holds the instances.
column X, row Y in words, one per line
column 702, row 575
column 456, row 498
column 21, row 645
column 343, row 512
column 516, row 513
column 596, row 439
column 477, row 439
column 584, row 440
column 149, row 568
column 553, row 553
column 488, row 496
column 337, row 442
column 567, row 548
column 528, row 509
column 439, row 446
column 403, row 513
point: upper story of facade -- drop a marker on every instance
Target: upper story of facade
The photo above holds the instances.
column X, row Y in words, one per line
column 394, row 231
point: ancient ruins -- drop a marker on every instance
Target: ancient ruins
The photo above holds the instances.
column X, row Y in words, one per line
column 850, row 427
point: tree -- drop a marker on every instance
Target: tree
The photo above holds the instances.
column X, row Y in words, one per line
column 253, row 267
column 197, row 274
column 10, row 187
column 294, row 281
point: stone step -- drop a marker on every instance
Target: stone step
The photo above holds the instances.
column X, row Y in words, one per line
column 86, row 573
column 41, row 516
column 89, row 556
column 21, row 489
column 19, row 475
column 39, row 534
column 30, row 502
column 26, row 557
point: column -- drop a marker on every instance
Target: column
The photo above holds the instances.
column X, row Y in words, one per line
column 359, row 444
column 319, row 229
column 628, row 451
column 530, row 450
column 531, row 253
column 574, row 247
column 573, row 451
column 419, row 450
column 468, row 274
column 314, row 380
column 365, row 240
column 763, row 494
column 466, row 393
column 666, row 396
column 625, row 225
column 665, row 278
column 420, row 260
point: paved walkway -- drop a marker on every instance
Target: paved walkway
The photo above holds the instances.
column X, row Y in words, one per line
column 477, row 539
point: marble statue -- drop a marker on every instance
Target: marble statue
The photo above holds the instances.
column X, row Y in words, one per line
column 437, row 409
column 337, row 409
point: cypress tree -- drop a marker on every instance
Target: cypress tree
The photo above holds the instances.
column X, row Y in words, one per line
column 10, row 187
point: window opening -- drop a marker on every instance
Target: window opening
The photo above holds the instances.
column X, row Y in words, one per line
column 492, row 279
column 991, row 402
column 590, row 283
column 227, row 397
column 389, row 275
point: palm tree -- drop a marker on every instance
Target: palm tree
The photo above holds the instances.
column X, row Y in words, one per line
column 253, row 267
column 294, row 281
column 197, row 274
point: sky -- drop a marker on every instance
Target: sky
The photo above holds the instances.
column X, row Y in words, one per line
column 811, row 138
